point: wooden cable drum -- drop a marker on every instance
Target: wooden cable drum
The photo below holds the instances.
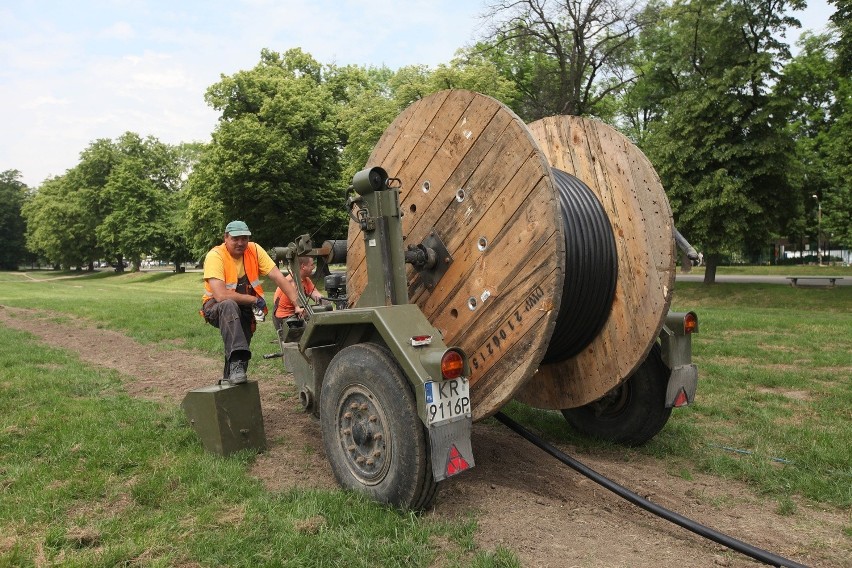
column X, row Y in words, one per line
column 630, row 191
column 474, row 177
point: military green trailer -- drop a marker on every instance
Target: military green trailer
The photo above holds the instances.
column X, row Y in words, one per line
column 392, row 398
column 488, row 260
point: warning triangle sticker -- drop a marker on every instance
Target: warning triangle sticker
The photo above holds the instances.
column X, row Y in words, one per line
column 456, row 463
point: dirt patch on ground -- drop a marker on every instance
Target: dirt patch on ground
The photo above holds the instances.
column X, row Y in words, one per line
column 523, row 499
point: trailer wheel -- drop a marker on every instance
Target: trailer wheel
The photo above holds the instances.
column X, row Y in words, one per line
column 373, row 437
column 633, row 412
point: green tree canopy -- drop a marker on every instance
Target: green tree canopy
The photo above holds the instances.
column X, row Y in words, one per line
column 113, row 203
column 175, row 244
column 838, row 196
column 13, row 193
column 809, row 85
column 59, row 226
column 720, row 143
column 135, row 224
column 275, row 156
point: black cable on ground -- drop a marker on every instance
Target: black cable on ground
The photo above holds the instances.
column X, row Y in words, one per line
column 699, row 529
column 591, row 269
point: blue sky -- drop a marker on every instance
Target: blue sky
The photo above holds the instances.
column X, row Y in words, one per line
column 73, row 72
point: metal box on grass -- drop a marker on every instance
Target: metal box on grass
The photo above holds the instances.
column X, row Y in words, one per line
column 226, row 418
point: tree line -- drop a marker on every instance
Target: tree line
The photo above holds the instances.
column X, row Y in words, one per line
column 749, row 141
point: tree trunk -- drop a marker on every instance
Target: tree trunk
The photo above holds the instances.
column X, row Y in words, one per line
column 710, row 271
column 685, row 263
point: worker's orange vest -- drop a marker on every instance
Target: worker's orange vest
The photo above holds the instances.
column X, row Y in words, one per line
column 250, row 264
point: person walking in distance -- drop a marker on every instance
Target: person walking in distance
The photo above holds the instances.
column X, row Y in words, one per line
column 233, row 293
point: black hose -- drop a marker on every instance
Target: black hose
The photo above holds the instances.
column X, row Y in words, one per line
column 591, row 269
column 680, row 520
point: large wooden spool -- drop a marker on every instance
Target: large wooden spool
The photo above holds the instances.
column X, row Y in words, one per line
column 475, row 176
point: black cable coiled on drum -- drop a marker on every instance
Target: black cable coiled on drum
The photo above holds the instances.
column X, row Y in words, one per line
column 591, row 269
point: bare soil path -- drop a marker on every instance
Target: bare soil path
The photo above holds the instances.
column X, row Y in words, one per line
column 523, row 499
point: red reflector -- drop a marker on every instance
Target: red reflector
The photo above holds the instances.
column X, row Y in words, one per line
column 690, row 323
column 419, row 340
column 681, row 399
column 452, row 365
column 456, row 463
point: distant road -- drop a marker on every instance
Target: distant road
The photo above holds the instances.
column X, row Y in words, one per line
column 756, row 279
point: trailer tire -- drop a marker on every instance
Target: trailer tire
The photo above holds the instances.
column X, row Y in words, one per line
column 633, row 412
column 373, row 436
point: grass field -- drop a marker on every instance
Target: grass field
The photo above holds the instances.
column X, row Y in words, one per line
column 774, row 402
column 93, row 477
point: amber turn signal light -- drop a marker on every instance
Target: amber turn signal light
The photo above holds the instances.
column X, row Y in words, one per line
column 452, row 364
column 690, row 323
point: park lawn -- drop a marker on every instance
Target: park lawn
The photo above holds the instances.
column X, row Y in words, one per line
column 94, row 477
column 774, row 400
column 773, row 410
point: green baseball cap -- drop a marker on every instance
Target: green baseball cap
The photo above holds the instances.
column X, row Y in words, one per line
column 237, row 229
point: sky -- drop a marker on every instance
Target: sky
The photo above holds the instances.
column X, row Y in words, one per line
column 74, row 72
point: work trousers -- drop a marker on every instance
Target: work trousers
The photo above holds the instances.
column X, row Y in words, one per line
column 236, row 324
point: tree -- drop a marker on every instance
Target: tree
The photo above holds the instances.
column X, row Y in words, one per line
column 365, row 107
column 113, row 203
column 370, row 99
column 564, row 57
column 720, row 144
column 842, row 20
column 175, row 244
column 810, row 84
column 59, row 227
column 126, row 182
column 135, row 224
column 275, row 156
column 475, row 72
column 13, row 193
column 838, row 197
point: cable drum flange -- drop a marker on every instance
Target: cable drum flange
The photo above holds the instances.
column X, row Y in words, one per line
column 507, row 243
column 591, row 269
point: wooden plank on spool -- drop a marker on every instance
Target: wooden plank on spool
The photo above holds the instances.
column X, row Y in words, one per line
column 628, row 187
column 411, row 123
column 472, row 174
column 409, row 142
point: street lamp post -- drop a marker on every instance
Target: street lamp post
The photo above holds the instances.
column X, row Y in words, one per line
column 819, row 228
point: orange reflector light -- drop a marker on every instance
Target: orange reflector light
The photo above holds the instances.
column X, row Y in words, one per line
column 690, row 323
column 681, row 399
column 419, row 340
column 456, row 463
column 452, row 364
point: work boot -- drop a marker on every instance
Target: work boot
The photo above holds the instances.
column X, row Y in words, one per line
column 237, row 372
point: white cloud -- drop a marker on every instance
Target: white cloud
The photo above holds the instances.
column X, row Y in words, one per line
column 118, row 30
column 45, row 100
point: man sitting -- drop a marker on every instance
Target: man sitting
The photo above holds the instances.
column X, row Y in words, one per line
column 232, row 274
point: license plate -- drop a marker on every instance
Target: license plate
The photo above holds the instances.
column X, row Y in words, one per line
column 447, row 399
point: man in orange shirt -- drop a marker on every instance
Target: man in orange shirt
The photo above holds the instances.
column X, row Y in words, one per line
column 232, row 274
column 284, row 308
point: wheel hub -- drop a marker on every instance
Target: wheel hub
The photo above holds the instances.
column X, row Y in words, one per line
column 361, row 426
column 613, row 403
